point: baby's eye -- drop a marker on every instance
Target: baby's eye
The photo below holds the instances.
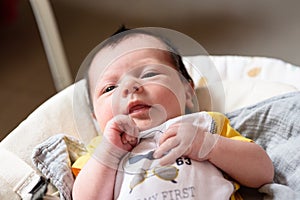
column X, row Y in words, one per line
column 109, row 88
column 149, row 74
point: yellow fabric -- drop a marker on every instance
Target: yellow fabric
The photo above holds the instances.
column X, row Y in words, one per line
column 82, row 160
column 224, row 128
column 79, row 163
column 236, row 195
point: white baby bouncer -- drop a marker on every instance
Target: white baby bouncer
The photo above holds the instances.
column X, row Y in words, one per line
column 246, row 81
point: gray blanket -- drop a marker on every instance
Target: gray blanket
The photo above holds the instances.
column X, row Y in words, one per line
column 275, row 125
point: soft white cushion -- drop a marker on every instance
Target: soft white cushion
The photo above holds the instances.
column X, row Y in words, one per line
column 235, row 68
column 226, row 83
column 238, row 94
column 59, row 114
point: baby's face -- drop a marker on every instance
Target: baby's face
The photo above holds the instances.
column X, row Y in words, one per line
column 141, row 83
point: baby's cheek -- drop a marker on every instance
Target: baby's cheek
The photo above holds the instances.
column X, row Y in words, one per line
column 175, row 105
column 103, row 116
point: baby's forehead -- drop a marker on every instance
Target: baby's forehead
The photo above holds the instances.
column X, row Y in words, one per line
column 109, row 54
column 131, row 43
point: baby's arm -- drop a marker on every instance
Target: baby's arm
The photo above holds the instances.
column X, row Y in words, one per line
column 96, row 180
column 246, row 162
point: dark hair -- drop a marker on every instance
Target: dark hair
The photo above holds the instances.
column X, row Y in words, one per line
column 123, row 33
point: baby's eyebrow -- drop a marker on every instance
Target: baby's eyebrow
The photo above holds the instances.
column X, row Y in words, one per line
column 108, row 76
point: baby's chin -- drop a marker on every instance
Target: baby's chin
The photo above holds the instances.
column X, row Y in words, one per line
column 155, row 117
column 144, row 124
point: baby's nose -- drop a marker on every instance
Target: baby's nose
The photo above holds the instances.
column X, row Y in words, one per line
column 131, row 86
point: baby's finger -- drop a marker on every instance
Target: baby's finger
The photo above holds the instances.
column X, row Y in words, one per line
column 171, row 157
column 170, row 132
column 127, row 125
column 165, row 147
column 127, row 143
column 130, row 139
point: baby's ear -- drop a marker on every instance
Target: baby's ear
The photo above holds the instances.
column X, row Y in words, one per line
column 190, row 95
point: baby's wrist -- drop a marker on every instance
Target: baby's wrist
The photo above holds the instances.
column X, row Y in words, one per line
column 108, row 154
column 207, row 147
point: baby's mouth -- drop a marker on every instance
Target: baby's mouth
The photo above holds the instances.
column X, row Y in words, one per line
column 138, row 108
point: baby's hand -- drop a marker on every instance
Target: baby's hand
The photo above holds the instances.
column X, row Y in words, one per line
column 119, row 137
column 122, row 132
column 189, row 137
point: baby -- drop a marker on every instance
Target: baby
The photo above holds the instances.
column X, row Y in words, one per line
column 155, row 145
